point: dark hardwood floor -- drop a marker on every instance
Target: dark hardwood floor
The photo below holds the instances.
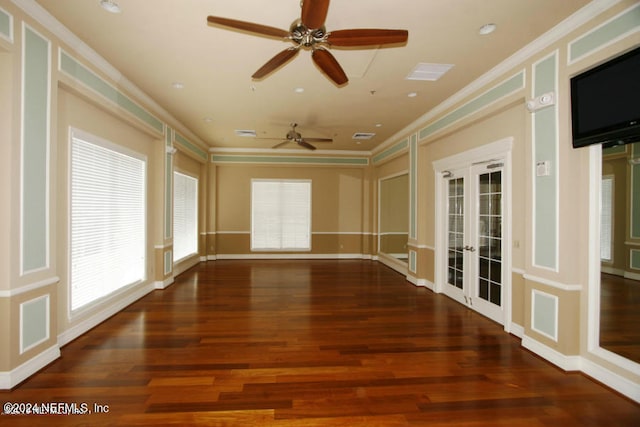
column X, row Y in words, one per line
column 620, row 316
column 309, row 343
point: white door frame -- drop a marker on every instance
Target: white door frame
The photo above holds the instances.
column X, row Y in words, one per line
column 499, row 151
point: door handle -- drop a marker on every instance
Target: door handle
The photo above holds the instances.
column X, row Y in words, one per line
column 469, row 248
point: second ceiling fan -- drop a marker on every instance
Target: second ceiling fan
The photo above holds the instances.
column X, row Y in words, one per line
column 309, row 32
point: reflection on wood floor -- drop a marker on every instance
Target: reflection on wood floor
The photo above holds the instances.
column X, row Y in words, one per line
column 309, row 343
column 620, row 316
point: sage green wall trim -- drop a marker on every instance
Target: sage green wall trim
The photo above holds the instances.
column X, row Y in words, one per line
column 412, row 261
column 353, row 161
column 544, row 314
column 635, row 201
column 194, row 148
column 168, row 139
column 634, row 259
column 545, row 148
column 79, row 72
column 36, row 87
column 507, row 87
column 413, row 187
column 168, row 262
column 168, row 187
column 619, row 26
column 6, row 25
column 34, row 322
column 402, row 145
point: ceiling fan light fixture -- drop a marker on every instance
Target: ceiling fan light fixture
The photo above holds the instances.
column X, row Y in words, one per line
column 110, row 6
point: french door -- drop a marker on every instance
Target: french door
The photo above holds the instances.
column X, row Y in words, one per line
column 474, row 237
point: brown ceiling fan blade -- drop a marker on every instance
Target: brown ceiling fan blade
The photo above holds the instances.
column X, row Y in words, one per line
column 318, row 139
column 276, row 62
column 329, row 65
column 305, row 144
column 366, row 37
column 258, row 29
column 280, row 144
column 314, row 13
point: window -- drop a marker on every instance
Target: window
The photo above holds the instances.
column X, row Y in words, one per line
column 108, row 219
column 606, row 219
column 280, row 215
column 185, row 216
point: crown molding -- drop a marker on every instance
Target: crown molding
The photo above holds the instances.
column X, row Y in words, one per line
column 561, row 30
column 48, row 21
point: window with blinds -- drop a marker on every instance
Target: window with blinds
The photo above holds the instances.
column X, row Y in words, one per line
column 185, row 216
column 108, row 219
column 606, row 219
column 281, row 215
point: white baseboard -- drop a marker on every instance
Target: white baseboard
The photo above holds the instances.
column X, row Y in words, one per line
column 102, row 315
column 611, row 379
column 290, row 256
column 564, row 362
column 164, row 284
column 10, row 379
column 517, row 330
column 423, row 283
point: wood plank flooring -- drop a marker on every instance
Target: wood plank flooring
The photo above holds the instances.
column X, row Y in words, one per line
column 309, row 343
column 620, row 316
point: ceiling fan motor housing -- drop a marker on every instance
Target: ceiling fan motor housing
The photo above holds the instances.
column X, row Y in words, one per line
column 305, row 36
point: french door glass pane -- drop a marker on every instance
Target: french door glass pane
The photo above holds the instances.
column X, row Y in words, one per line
column 490, row 237
column 456, row 232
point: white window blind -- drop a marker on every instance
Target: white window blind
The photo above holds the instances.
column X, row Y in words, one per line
column 185, row 216
column 108, row 219
column 281, row 215
column 606, row 219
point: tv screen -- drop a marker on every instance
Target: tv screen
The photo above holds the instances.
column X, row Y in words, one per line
column 605, row 102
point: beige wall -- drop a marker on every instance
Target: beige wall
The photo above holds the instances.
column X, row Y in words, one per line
column 75, row 112
column 337, row 206
column 345, row 199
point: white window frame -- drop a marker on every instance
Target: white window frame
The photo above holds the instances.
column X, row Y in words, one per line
column 103, row 143
column 281, row 248
column 177, row 258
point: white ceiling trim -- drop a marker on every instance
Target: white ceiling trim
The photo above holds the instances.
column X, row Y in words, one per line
column 48, row 21
column 561, row 30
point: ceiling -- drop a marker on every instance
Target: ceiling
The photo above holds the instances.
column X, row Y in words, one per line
column 155, row 44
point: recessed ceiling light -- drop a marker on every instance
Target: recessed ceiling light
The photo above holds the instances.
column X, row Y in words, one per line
column 299, row 90
column 110, row 6
column 487, row 29
column 177, row 85
column 208, row 119
column 378, row 125
column 412, row 94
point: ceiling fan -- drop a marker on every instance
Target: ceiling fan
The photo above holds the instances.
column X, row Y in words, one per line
column 294, row 136
column 309, row 32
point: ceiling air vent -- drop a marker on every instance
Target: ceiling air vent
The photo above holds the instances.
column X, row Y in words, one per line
column 245, row 133
column 363, row 135
column 429, row 72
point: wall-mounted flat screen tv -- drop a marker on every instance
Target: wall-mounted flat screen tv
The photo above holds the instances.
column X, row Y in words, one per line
column 605, row 102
